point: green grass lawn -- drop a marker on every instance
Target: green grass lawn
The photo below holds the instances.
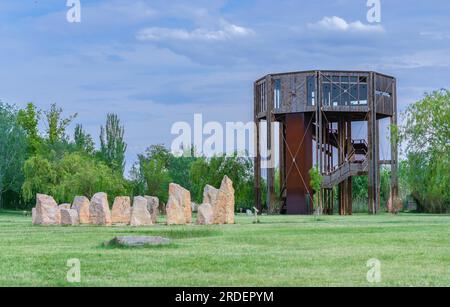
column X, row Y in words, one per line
column 414, row 250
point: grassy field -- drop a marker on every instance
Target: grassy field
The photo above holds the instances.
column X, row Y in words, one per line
column 414, row 250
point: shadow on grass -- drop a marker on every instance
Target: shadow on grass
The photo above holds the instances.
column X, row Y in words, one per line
column 113, row 245
column 176, row 233
column 303, row 219
column 22, row 213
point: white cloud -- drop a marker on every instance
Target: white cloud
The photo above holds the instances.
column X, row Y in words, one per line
column 226, row 32
column 341, row 25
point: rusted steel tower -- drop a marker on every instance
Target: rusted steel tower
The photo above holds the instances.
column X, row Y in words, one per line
column 315, row 111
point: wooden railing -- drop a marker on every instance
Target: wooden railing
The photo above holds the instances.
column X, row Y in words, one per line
column 344, row 171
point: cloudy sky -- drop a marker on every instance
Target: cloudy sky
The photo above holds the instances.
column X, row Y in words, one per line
column 155, row 62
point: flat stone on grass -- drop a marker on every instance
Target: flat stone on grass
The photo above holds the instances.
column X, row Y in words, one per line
column 138, row 241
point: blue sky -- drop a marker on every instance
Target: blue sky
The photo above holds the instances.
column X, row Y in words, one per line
column 156, row 62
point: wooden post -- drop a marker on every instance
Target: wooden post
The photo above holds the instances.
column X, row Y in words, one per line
column 370, row 141
column 326, row 168
column 318, row 131
column 282, row 137
column 270, row 147
column 394, row 146
column 257, row 159
column 349, row 147
column 330, row 167
column 341, row 159
column 372, row 147
column 321, row 141
column 378, row 166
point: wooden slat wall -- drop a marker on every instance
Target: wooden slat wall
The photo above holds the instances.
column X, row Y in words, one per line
column 294, row 92
column 261, row 99
column 384, row 104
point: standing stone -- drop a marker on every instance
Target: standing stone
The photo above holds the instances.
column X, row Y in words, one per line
column 138, row 241
column 121, row 210
column 205, row 215
column 81, row 205
column 221, row 200
column 64, row 206
column 174, row 212
column 220, row 208
column 153, row 207
column 99, row 213
column 47, row 211
column 140, row 215
column 227, row 188
column 180, row 198
column 210, row 195
column 69, row 217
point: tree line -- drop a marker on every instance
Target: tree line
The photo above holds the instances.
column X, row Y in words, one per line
column 64, row 164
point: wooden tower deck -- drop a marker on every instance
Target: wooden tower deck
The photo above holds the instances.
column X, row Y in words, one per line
column 315, row 111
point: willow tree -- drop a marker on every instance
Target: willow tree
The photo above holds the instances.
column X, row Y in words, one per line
column 13, row 151
column 427, row 137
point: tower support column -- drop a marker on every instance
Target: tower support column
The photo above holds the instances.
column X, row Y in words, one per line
column 373, row 156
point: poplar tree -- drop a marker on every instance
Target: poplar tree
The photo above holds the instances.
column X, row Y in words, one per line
column 112, row 144
column 83, row 140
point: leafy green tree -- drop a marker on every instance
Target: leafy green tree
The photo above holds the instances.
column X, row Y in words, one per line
column 427, row 134
column 136, row 181
column 13, row 150
column 112, row 144
column 427, row 128
column 82, row 175
column 56, row 124
column 29, row 118
column 211, row 171
column 55, row 151
column 316, row 183
column 74, row 174
column 83, row 140
column 404, row 191
column 360, row 187
column 40, row 177
column 385, row 186
column 201, row 175
column 153, row 176
column 159, row 152
column 179, row 168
